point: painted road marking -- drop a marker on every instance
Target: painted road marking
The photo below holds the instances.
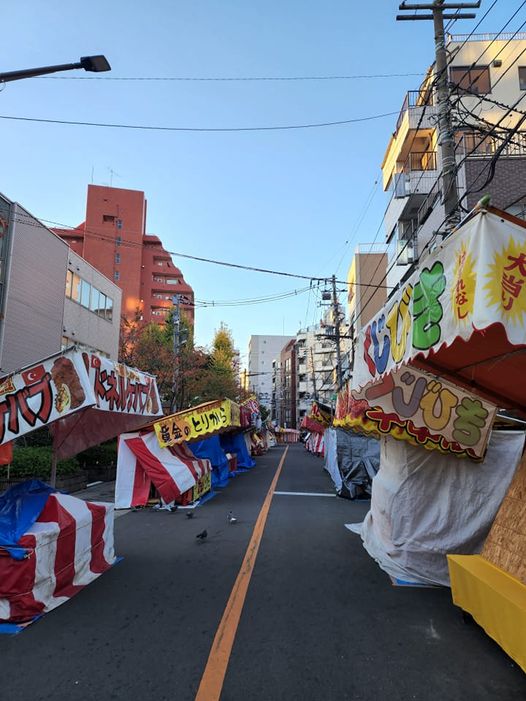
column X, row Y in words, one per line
column 304, row 494
column 216, row 666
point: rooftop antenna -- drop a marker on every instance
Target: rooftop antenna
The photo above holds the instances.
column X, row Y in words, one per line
column 112, row 173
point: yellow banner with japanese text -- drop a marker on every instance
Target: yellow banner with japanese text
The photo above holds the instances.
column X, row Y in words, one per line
column 197, row 423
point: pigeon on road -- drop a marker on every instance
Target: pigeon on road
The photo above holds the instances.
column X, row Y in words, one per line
column 231, row 518
column 202, row 535
column 189, row 514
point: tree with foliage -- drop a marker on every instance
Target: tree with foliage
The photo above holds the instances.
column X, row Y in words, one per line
column 201, row 376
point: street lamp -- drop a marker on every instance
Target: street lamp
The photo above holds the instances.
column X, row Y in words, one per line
column 94, row 64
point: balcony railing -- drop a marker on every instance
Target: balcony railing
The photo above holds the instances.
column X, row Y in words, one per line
column 474, row 145
column 417, row 175
column 413, row 99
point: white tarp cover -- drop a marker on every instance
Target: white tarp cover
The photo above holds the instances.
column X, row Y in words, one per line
column 425, row 505
column 331, row 457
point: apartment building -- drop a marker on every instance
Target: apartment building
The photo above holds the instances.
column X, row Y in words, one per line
column 284, row 386
column 92, row 308
column 49, row 296
column 367, row 291
column 113, row 240
column 262, row 351
column 412, row 164
column 316, row 361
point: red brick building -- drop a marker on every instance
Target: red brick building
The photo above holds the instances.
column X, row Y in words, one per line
column 113, row 239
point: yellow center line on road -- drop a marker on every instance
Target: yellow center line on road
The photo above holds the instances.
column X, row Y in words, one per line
column 215, row 671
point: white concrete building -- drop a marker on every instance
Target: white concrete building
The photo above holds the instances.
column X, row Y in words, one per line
column 412, row 167
column 37, row 315
column 262, row 350
column 92, row 308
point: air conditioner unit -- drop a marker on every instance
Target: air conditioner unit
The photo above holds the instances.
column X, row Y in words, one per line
column 405, row 252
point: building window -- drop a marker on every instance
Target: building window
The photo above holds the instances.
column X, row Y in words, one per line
column 69, row 282
column 116, row 275
column 118, row 240
column 75, row 288
column 117, row 257
column 172, row 281
column 108, row 219
column 522, row 77
column 109, row 309
column 119, row 223
column 85, row 292
column 471, row 81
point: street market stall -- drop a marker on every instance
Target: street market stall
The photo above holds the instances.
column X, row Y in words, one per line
column 431, row 369
column 210, row 427
column 175, row 472
column 85, row 399
column 51, row 546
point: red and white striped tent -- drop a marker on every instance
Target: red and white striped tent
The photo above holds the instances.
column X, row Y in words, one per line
column 69, row 545
column 141, row 461
column 315, row 443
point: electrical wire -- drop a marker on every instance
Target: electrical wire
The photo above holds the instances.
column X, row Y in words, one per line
column 230, row 78
column 145, row 127
column 475, row 62
column 248, row 302
column 29, row 221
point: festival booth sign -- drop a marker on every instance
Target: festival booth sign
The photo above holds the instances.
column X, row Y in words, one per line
column 124, row 399
column 42, row 393
column 200, row 422
column 461, row 315
column 85, row 398
column 413, row 405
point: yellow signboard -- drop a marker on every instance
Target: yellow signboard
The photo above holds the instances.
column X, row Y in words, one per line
column 197, row 423
column 203, row 485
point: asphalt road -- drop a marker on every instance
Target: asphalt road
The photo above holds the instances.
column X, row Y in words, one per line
column 320, row 622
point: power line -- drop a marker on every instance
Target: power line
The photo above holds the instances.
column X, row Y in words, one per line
column 232, row 78
column 475, row 62
column 313, row 278
column 145, row 127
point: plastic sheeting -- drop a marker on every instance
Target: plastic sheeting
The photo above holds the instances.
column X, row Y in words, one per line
column 20, row 507
column 212, row 450
column 425, row 505
column 352, row 460
column 69, row 545
column 331, row 458
column 235, row 443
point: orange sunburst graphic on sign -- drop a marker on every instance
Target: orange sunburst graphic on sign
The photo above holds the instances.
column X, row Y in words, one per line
column 507, row 281
column 464, row 281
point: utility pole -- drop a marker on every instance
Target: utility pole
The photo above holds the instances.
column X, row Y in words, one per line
column 314, row 389
column 337, row 336
column 176, row 299
column 446, row 134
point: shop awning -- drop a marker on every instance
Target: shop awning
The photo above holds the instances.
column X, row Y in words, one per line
column 461, row 315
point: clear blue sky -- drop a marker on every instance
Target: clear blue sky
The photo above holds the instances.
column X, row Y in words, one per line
column 284, row 200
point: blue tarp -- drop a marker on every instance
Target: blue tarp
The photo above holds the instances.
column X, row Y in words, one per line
column 235, row 443
column 20, row 506
column 211, row 448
